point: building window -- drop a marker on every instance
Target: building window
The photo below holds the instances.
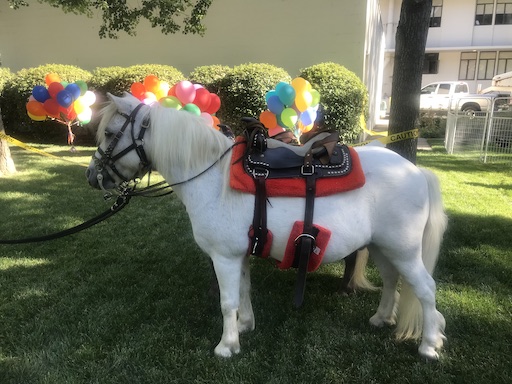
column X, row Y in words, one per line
column 504, row 62
column 484, row 11
column 467, row 67
column 431, row 63
column 486, row 65
column 503, row 12
column 435, row 13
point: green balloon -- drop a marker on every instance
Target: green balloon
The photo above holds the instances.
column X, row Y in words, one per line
column 82, row 85
column 316, row 97
column 289, row 117
column 192, row 108
column 170, row 102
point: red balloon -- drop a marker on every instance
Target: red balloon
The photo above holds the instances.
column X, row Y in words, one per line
column 138, row 89
column 54, row 88
column 202, row 99
column 214, row 104
column 51, row 107
column 172, row 91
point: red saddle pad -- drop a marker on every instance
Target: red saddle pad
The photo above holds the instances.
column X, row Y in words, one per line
column 293, row 187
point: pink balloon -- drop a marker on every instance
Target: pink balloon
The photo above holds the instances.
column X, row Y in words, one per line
column 185, row 92
column 207, row 117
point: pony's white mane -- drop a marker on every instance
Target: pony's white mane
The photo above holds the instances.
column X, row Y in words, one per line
column 106, row 113
column 184, row 139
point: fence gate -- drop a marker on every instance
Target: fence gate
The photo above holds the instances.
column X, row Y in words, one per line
column 484, row 135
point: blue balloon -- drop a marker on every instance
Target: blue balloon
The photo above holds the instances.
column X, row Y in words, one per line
column 275, row 105
column 308, row 116
column 64, row 98
column 286, row 93
column 270, row 94
column 74, row 90
column 40, row 93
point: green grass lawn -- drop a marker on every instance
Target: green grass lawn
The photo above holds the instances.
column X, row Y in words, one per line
column 128, row 300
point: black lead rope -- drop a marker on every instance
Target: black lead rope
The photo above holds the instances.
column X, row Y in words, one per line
column 119, row 204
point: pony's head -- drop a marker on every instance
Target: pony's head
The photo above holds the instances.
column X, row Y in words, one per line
column 120, row 156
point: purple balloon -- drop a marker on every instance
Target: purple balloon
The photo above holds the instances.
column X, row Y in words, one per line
column 40, row 93
column 275, row 105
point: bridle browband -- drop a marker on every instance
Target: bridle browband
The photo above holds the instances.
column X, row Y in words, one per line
column 107, row 160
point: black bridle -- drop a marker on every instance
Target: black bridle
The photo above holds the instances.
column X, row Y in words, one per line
column 106, row 161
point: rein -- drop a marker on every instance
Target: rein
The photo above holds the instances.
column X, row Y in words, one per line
column 159, row 189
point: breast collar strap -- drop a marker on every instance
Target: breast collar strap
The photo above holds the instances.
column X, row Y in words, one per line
column 107, row 160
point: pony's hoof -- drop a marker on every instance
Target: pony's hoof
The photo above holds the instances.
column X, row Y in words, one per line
column 379, row 322
column 246, row 326
column 226, row 351
column 428, row 352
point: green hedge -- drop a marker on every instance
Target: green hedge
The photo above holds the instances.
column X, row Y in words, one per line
column 5, row 75
column 243, row 90
column 343, row 96
column 117, row 80
column 211, row 76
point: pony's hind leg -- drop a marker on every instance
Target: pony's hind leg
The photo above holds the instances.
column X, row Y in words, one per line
column 228, row 271
column 386, row 312
column 417, row 313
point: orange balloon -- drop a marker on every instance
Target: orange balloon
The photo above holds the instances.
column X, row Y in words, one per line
column 36, row 108
column 216, row 122
column 151, row 83
column 52, row 78
column 268, row 119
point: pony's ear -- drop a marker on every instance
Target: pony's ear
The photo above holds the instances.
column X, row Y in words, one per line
column 126, row 103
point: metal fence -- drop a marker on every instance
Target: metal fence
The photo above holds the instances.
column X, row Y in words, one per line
column 484, row 135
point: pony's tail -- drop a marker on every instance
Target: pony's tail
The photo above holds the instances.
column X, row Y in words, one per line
column 358, row 279
column 410, row 313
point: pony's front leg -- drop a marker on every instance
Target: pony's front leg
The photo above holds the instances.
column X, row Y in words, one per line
column 228, row 271
column 245, row 312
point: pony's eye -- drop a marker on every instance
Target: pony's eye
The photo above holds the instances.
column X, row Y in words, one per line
column 108, row 134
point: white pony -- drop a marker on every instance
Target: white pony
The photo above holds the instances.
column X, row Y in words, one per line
column 398, row 214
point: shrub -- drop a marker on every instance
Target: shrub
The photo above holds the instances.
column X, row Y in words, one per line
column 210, row 76
column 17, row 91
column 5, row 75
column 243, row 90
column 343, row 96
column 432, row 126
column 107, row 79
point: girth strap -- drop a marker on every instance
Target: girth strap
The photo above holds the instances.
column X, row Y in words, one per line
column 305, row 243
column 259, row 221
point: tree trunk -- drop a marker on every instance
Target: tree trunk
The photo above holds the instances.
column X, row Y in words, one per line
column 6, row 164
column 411, row 39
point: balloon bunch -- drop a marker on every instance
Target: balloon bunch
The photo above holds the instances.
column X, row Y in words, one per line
column 193, row 98
column 291, row 106
column 66, row 103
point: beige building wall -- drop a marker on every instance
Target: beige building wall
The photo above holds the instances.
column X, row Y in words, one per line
column 291, row 34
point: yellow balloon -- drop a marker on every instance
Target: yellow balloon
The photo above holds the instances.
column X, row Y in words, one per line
column 299, row 84
column 79, row 105
column 303, row 100
column 36, row 118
